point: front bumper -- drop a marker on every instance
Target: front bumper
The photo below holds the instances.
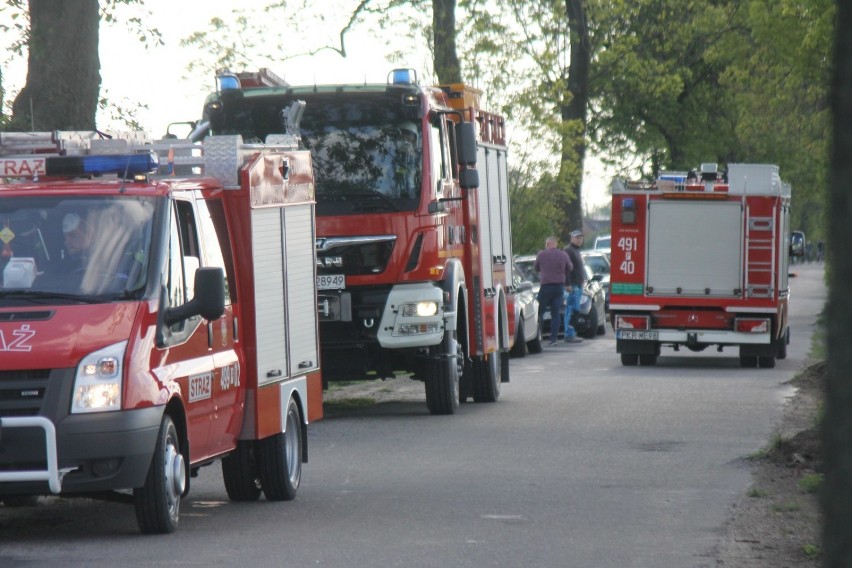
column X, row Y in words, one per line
column 77, row 453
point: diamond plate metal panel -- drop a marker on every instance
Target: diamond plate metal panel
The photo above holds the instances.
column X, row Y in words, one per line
column 223, row 158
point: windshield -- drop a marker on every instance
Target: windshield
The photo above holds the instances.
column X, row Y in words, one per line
column 91, row 249
column 366, row 150
column 597, row 262
column 525, row 266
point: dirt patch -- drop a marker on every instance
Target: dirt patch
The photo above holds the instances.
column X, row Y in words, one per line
column 777, row 523
column 347, row 395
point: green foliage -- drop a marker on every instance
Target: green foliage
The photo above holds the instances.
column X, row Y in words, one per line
column 122, row 112
column 811, row 482
column 811, row 550
column 656, row 81
column 786, row 507
column 234, row 42
column 780, row 81
column 349, row 403
column 15, row 26
column 534, row 214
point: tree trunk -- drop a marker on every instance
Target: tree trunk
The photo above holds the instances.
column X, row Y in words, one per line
column 63, row 73
column 837, row 423
column 447, row 66
column 574, row 114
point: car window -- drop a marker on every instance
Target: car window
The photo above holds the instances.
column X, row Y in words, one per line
column 526, row 269
column 598, row 263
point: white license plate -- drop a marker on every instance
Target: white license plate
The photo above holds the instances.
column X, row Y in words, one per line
column 637, row 334
column 331, row 281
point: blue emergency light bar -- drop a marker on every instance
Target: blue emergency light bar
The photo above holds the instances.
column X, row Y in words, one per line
column 403, row 77
column 228, row 82
column 124, row 165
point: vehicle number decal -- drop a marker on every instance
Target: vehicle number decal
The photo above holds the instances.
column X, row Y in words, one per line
column 200, row 387
column 628, row 245
column 230, row 377
column 331, row 281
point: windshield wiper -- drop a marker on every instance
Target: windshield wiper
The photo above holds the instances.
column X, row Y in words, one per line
column 41, row 295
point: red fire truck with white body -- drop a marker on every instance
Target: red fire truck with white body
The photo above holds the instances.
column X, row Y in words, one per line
column 153, row 324
column 701, row 260
column 413, row 232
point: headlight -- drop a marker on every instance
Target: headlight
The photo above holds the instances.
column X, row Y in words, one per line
column 420, row 309
column 97, row 385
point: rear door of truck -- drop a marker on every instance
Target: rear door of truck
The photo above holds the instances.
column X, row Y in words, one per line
column 694, row 248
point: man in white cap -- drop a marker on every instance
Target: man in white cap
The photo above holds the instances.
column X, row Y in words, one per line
column 78, row 239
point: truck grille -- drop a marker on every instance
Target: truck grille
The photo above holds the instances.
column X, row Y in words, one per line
column 354, row 256
column 22, row 392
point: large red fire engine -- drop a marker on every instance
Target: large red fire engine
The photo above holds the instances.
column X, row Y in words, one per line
column 413, row 232
column 701, row 259
column 153, row 324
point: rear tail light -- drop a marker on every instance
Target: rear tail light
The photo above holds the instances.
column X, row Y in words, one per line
column 632, row 322
column 751, row 325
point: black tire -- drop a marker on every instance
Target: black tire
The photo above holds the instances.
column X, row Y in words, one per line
column 486, row 378
column 602, row 327
column 239, row 471
column 766, row 362
column 782, row 347
column 629, row 359
column 504, row 366
column 647, row 360
column 442, row 384
column 519, row 349
column 280, row 458
column 593, row 324
column 534, row 345
column 748, row 361
column 158, row 501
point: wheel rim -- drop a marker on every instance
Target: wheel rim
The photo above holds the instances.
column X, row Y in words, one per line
column 292, row 447
column 175, row 478
column 459, row 358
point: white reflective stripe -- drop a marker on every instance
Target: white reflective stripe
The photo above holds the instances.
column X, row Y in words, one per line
column 643, row 307
column 713, row 337
column 744, row 310
column 195, row 367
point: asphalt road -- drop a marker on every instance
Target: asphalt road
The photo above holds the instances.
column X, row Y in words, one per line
column 582, row 463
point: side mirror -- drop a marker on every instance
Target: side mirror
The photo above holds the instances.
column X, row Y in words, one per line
column 466, row 135
column 469, row 179
column 209, row 299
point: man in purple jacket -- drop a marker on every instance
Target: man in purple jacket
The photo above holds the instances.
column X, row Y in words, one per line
column 554, row 268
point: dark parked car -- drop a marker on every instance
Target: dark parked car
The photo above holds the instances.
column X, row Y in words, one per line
column 527, row 325
column 797, row 247
column 591, row 318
